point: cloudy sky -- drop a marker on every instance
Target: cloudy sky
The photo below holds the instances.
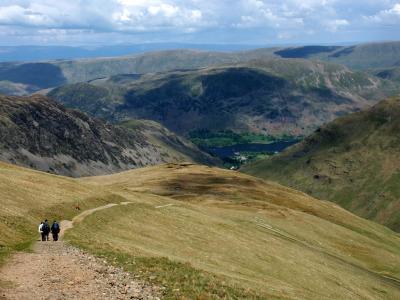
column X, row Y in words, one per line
column 262, row 22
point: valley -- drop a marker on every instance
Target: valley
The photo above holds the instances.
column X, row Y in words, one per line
column 268, row 173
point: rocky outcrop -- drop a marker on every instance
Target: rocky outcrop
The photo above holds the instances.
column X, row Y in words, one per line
column 39, row 133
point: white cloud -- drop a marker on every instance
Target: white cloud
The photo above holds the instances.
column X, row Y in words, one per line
column 119, row 15
column 386, row 16
column 152, row 15
column 15, row 14
column 281, row 19
column 335, row 25
column 285, row 36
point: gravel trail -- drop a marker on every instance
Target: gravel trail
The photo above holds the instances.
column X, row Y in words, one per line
column 56, row 270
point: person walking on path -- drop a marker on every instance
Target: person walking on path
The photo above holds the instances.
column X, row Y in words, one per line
column 45, row 231
column 55, row 230
column 40, row 230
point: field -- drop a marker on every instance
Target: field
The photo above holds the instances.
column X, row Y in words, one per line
column 205, row 233
column 228, row 138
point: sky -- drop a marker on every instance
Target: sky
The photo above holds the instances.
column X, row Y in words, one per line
column 257, row 22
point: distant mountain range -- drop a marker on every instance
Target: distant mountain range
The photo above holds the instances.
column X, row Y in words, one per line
column 352, row 161
column 272, row 96
column 20, row 78
column 32, row 53
column 34, row 76
column 39, row 133
column 362, row 57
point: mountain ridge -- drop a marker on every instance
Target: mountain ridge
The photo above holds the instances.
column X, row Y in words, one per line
column 359, row 57
column 274, row 96
column 40, row 133
column 351, row 161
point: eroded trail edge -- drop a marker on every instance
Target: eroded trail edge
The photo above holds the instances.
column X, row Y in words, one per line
column 56, row 270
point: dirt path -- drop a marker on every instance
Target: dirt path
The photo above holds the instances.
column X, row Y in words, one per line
column 55, row 270
column 66, row 224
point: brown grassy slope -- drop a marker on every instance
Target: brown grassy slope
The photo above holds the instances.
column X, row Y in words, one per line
column 28, row 196
column 226, row 235
column 352, row 161
column 251, row 234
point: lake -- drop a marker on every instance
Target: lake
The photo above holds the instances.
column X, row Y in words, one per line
column 229, row 151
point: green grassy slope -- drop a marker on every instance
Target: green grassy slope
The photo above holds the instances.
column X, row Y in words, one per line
column 43, row 75
column 392, row 74
column 209, row 233
column 352, row 161
column 367, row 56
column 360, row 57
column 89, row 69
column 275, row 97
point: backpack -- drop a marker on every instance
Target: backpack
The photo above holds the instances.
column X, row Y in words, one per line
column 56, row 228
column 45, row 228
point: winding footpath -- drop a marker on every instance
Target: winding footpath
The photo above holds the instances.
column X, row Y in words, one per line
column 58, row 271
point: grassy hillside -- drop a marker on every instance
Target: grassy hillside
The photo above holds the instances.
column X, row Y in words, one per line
column 28, row 196
column 270, row 97
column 392, row 74
column 39, row 75
column 40, row 133
column 224, row 233
column 43, row 75
column 360, row 57
column 208, row 233
column 17, row 89
column 367, row 56
column 46, row 74
column 352, row 161
column 305, row 51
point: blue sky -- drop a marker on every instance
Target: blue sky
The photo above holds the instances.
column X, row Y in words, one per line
column 261, row 22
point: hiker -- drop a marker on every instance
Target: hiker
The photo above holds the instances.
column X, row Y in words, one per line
column 55, row 230
column 40, row 230
column 45, row 231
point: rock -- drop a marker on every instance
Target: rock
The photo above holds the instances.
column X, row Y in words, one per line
column 55, row 280
column 112, row 283
column 78, row 280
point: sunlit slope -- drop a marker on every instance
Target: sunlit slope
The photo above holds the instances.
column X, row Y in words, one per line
column 27, row 197
column 211, row 233
column 244, row 236
column 353, row 161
